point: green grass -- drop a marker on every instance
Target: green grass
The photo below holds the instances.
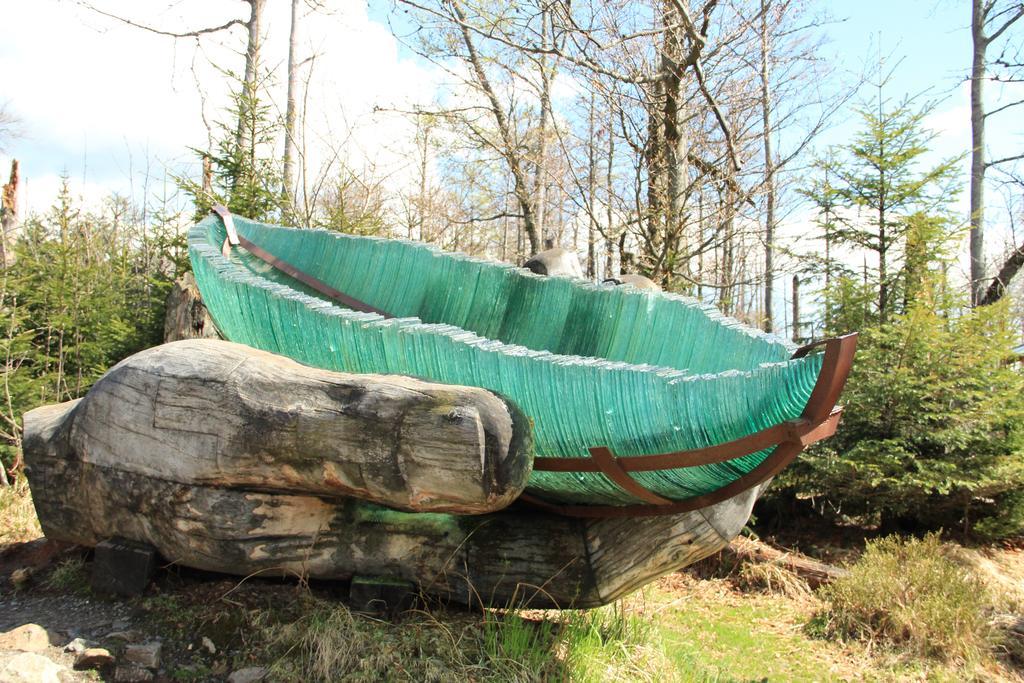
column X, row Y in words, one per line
column 615, row 643
column 751, row 640
column 68, row 575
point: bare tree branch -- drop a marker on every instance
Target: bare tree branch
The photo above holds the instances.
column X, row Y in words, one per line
column 187, row 34
column 997, row 290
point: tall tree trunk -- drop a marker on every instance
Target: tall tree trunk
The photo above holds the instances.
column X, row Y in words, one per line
column 540, row 178
column 422, row 208
column 769, row 172
column 676, row 142
column 591, row 193
column 883, row 246
column 979, row 43
column 252, row 59
column 654, row 160
column 609, row 256
column 288, row 187
column 727, row 295
column 796, row 309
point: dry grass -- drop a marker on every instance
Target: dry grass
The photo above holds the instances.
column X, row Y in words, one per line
column 18, row 521
column 773, row 579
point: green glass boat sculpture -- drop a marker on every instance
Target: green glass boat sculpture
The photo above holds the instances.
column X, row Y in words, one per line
column 642, row 402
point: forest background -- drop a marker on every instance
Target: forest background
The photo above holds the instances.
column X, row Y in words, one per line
column 772, row 158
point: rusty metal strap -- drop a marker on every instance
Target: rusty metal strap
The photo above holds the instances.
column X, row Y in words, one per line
column 290, row 270
column 799, row 430
column 818, row 421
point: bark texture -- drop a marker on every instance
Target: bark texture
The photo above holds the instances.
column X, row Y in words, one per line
column 187, row 317
column 9, row 216
column 979, row 44
column 225, row 415
column 163, row 451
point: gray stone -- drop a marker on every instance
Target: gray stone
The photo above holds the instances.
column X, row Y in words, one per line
column 130, row 673
column 144, row 654
column 93, row 658
column 639, row 281
column 261, row 509
column 252, row 674
column 555, row 262
column 77, row 645
column 220, row 414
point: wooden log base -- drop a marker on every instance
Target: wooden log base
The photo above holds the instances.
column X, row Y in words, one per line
column 245, row 525
column 519, row 556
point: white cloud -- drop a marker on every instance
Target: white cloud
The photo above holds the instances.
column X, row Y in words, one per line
column 99, row 99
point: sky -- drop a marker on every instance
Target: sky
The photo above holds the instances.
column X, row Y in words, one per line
column 117, row 108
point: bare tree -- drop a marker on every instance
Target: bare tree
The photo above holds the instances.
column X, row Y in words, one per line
column 1014, row 257
column 990, row 20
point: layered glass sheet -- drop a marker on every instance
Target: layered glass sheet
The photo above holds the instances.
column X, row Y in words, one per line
column 592, row 365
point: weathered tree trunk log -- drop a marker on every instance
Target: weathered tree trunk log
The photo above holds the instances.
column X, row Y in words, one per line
column 815, row 573
column 221, row 414
column 172, row 449
column 187, row 317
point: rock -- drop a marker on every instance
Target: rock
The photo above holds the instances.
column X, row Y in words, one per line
column 126, row 636
column 639, row 281
column 555, row 262
column 122, row 567
column 252, row 674
column 130, row 673
column 29, row 667
column 144, row 654
column 217, row 455
column 210, row 647
column 77, row 645
column 93, row 658
column 25, row 638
